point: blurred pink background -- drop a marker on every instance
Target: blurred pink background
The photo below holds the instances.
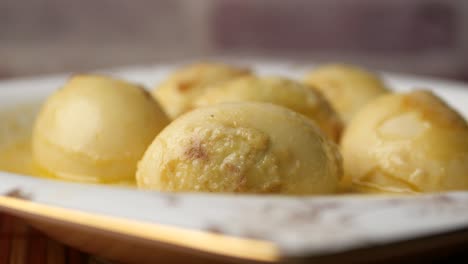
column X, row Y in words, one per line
column 415, row 36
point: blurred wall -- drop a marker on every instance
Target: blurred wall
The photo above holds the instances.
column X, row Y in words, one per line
column 418, row 36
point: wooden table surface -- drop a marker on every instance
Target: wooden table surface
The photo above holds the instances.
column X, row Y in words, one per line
column 22, row 244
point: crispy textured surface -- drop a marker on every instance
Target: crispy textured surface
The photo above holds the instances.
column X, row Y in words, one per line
column 280, row 91
column 411, row 142
column 241, row 147
column 96, row 129
column 348, row 88
column 177, row 93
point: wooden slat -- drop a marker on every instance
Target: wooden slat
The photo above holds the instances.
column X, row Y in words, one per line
column 37, row 247
column 21, row 244
column 55, row 252
column 6, row 224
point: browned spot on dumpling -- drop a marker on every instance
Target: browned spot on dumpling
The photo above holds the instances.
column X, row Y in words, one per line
column 242, row 184
column 232, row 168
column 196, row 150
column 185, row 86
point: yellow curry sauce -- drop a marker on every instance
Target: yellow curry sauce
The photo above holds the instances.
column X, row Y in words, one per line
column 17, row 158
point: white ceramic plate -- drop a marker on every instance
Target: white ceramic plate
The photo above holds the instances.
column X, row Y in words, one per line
column 231, row 227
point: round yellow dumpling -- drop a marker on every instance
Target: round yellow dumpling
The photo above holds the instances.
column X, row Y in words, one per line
column 280, row 91
column 241, row 148
column 409, row 142
column 346, row 87
column 178, row 92
column 96, row 129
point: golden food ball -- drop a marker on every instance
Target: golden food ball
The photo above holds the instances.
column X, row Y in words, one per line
column 96, row 129
column 409, row 142
column 178, row 92
column 348, row 88
column 280, row 91
column 241, row 148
